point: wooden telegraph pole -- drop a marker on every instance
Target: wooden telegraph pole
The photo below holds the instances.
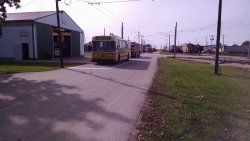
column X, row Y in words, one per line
column 59, row 34
column 249, row 49
column 175, row 39
column 169, row 44
column 122, row 31
column 216, row 68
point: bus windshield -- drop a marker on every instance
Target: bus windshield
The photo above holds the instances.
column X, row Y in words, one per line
column 104, row 46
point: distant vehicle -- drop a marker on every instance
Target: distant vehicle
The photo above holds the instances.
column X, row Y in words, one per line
column 136, row 50
column 110, row 48
column 150, row 50
column 154, row 50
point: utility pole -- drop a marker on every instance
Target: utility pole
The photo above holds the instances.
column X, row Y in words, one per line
column 104, row 32
column 211, row 39
column 216, row 68
column 139, row 37
column 175, row 35
column 122, row 30
column 169, row 42
column 206, row 44
column 223, row 43
column 223, row 38
column 249, row 49
column 206, row 41
column 59, row 34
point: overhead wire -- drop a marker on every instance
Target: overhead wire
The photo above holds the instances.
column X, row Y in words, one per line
column 101, row 13
column 115, row 17
column 22, row 7
column 100, row 2
column 41, row 5
column 206, row 27
column 110, row 15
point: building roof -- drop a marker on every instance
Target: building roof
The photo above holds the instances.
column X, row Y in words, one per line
column 45, row 17
column 28, row 15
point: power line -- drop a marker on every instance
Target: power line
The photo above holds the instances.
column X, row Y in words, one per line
column 206, row 27
column 110, row 17
column 103, row 2
column 111, row 13
column 31, row 1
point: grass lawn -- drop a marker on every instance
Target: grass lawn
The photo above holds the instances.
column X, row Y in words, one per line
column 165, row 52
column 17, row 67
column 188, row 102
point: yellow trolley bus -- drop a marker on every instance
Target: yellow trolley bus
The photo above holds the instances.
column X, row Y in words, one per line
column 110, row 48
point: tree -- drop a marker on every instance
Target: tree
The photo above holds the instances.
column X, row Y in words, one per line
column 10, row 3
column 245, row 43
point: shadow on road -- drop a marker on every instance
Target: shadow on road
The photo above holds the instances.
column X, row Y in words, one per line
column 109, row 79
column 4, row 77
column 46, row 110
column 135, row 65
column 144, row 57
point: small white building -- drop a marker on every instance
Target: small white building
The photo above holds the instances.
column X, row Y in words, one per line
column 33, row 35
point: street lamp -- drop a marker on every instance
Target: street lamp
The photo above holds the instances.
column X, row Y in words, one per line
column 59, row 34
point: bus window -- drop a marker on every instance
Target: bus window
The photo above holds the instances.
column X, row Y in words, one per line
column 126, row 44
column 103, row 46
column 118, row 44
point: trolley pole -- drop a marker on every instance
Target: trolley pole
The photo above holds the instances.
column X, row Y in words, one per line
column 59, row 34
column 216, row 68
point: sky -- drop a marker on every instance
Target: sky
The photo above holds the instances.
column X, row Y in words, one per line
column 155, row 19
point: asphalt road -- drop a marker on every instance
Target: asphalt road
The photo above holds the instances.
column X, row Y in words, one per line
column 84, row 103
